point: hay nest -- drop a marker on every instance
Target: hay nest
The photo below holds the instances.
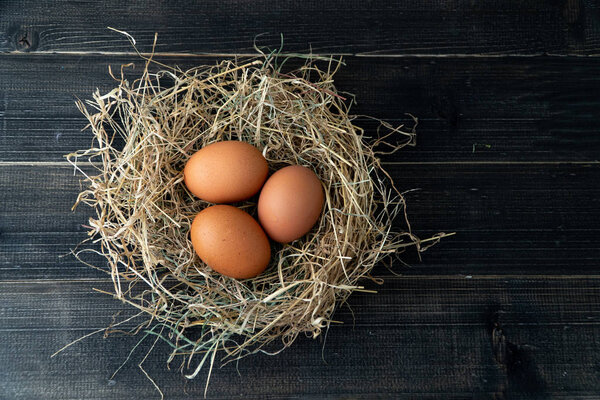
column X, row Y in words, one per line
column 145, row 131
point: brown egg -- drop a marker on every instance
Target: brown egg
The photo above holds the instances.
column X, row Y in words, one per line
column 226, row 172
column 290, row 203
column 230, row 241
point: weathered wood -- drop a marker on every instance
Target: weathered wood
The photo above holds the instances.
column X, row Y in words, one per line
column 364, row 27
column 498, row 109
column 419, row 336
column 507, row 157
column 521, row 219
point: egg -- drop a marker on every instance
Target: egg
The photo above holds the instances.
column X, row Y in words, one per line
column 290, row 203
column 226, row 172
column 230, row 241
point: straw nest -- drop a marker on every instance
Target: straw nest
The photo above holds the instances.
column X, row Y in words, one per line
column 144, row 131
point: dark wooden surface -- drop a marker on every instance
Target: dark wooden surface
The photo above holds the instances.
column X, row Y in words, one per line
column 508, row 97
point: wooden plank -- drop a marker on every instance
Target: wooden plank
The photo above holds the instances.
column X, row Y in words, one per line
column 500, row 109
column 421, row 300
column 405, row 27
column 538, row 219
column 418, row 337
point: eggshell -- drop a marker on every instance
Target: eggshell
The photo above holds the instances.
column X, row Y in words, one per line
column 290, row 203
column 230, row 241
column 226, row 172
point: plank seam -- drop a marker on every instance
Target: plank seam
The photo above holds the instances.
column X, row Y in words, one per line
column 361, row 55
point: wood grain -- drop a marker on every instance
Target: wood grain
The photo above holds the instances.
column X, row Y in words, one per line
column 500, row 109
column 357, row 27
column 509, row 338
column 507, row 96
column 510, row 219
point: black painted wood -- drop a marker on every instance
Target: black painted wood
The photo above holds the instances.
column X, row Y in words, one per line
column 365, row 27
column 509, row 338
column 507, row 157
column 517, row 219
column 470, row 109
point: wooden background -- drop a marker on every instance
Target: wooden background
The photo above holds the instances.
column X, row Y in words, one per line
column 508, row 97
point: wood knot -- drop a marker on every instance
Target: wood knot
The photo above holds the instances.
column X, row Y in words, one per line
column 445, row 108
column 25, row 39
column 519, row 363
column 499, row 344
